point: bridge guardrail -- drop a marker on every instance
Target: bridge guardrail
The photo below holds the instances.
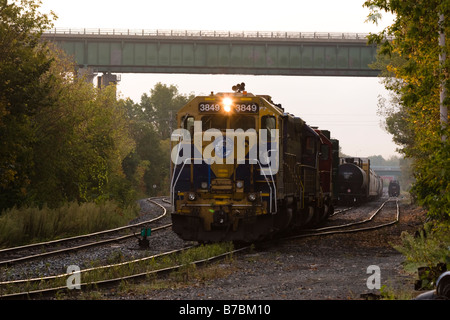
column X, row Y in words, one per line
column 212, row 34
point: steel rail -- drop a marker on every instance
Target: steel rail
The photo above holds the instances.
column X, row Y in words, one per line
column 96, row 243
column 29, row 294
column 58, row 241
column 350, row 224
column 47, row 278
column 340, row 211
column 83, row 246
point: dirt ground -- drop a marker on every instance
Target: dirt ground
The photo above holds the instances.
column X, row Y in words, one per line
column 332, row 267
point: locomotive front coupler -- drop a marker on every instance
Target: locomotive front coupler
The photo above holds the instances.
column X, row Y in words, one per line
column 220, row 217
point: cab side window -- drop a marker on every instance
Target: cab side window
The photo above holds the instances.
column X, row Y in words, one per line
column 188, row 124
column 268, row 123
column 310, row 145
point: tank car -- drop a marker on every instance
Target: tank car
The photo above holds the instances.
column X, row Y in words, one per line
column 244, row 170
column 394, row 188
column 375, row 185
column 357, row 182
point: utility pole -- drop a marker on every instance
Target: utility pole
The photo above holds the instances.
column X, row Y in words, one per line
column 442, row 57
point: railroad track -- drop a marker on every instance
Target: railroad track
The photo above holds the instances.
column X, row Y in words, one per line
column 51, row 247
column 30, row 289
column 136, row 264
column 31, row 283
column 343, row 228
column 340, row 211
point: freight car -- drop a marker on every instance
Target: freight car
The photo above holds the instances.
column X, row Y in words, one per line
column 394, row 188
column 244, row 170
column 357, row 182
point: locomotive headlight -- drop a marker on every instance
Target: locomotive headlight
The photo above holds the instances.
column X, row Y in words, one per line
column 239, row 184
column 227, row 102
column 204, row 185
column 191, row 196
column 251, row 197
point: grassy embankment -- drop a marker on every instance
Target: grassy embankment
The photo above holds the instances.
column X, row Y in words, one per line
column 20, row 226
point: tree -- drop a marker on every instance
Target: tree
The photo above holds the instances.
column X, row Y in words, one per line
column 151, row 121
column 160, row 107
column 147, row 165
column 61, row 139
column 24, row 61
column 80, row 139
column 413, row 73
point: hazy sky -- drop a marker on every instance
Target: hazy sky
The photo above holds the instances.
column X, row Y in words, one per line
column 346, row 106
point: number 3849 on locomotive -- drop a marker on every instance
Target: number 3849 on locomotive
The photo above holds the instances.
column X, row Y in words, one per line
column 244, row 170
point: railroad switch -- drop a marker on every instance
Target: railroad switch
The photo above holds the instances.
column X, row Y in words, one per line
column 144, row 242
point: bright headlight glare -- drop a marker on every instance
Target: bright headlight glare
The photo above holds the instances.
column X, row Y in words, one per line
column 227, row 102
column 251, row 196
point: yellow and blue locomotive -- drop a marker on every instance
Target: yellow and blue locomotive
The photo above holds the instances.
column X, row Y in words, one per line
column 243, row 169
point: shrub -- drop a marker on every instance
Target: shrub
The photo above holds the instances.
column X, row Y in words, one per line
column 428, row 247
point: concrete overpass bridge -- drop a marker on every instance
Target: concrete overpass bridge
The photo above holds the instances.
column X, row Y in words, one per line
column 217, row 52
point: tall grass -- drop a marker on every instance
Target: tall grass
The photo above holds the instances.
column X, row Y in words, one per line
column 26, row 225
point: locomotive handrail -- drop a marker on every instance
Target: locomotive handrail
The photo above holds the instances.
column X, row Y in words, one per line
column 307, row 166
column 301, row 185
column 172, row 199
column 268, row 183
column 274, row 186
column 172, row 187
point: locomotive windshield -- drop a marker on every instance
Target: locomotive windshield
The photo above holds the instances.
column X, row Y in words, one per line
column 221, row 122
column 214, row 122
column 242, row 122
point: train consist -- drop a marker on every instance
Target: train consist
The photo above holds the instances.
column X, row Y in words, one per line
column 357, row 182
column 243, row 169
column 394, row 188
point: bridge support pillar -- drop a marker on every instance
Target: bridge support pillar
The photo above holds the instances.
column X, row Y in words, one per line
column 107, row 79
column 88, row 73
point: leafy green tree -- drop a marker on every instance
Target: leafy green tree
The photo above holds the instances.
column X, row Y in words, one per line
column 151, row 121
column 61, row 139
column 24, row 90
column 81, row 140
column 147, row 165
column 160, row 107
column 413, row 73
